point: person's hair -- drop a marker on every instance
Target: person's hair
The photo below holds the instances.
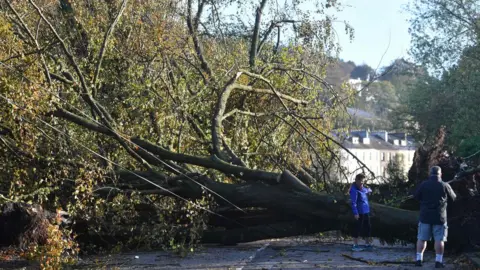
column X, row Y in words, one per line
column 435, row 170
column 360, row 177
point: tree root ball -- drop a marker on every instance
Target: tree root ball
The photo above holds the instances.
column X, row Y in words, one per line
column 22, row 225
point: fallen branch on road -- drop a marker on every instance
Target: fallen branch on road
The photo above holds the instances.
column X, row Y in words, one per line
column 376, row 262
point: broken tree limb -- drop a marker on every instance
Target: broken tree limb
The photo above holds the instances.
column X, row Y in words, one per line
column 222, row 104
column 376, row 262
column 234, row 219
column 280, row 211
column 212, row 163
column 289, row 179
column 389, row 223
column 253, row 233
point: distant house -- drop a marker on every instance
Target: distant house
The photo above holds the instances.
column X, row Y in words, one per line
column 356, row 84
column 376, row 149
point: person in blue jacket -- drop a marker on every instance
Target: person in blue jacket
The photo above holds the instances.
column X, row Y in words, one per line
column 361, row 211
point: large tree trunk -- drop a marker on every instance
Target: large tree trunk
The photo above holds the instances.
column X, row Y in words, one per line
column 327, row 211
column 278, row 211
column 298, row 209
column 314, row 212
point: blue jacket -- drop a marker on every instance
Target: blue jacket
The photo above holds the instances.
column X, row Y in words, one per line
column 359, row 200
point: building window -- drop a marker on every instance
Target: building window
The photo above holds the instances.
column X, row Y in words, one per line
column 389, row 156
column 382, row 156
column 370, row 155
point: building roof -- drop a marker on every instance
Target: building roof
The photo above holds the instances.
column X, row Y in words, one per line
column 378, row 143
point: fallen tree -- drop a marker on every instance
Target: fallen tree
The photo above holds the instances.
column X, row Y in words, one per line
column 23, row 225
column 269, row 212
column 280, row 211
column 186, row 114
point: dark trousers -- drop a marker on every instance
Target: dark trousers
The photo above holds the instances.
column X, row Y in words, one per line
column 362, row 226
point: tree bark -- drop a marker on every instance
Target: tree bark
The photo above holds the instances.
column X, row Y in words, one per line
column 312, row 207
column 287, row 210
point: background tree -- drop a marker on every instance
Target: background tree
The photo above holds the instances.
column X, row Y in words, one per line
column 364, row 72
column 444, row 36
column 441, row 29
column 110, row 107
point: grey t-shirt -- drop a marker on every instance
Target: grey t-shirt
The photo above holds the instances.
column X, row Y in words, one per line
column 433, row 195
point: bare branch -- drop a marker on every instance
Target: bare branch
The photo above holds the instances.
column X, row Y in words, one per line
column 146, row 149
column 62, row 79
column 271, row 92
column 277, row 47
column 140, row 155
column 87, row 95
column 105, row 41
column 260, row 77
column 312, row 75
column 201, row 5
column 273, row 25
column 35, row 41
column 218, row 116
column 223, row 99
column 36, row 51
column 234, row 111
column 213, row 163
column 340, row 145
column 81, row 121
column 235, row 159
column 255, row 35
column 196, row 42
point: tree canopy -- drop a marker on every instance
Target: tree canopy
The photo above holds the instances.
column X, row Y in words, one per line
column 95, row 94
column 445, row 41
column 441, row 29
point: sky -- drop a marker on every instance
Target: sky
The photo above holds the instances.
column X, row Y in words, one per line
column 381, row 27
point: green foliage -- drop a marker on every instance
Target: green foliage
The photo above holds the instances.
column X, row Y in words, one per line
column 339, row 72
column 379, row 98
column 444, row 36
column 449, row 101
column 396, row 173
column 441, row 29
column 154, row 84
column 364, row 72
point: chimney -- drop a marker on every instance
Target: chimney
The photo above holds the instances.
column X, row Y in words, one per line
column 366, row 137
column 404, row 141
column 382, row 134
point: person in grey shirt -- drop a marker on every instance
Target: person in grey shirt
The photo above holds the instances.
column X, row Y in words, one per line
column 433, row 195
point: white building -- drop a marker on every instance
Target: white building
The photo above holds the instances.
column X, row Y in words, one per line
column 356, row 84
column 376, row 149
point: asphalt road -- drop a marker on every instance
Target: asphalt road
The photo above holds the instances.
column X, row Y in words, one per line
column 292, row 253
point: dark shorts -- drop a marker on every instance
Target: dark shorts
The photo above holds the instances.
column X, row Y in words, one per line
column 426, row 231
column 362, row 226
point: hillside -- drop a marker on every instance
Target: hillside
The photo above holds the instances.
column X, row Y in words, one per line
column 383, row 93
